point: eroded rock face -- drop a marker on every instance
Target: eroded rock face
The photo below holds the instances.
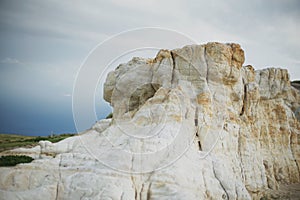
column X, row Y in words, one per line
column 192, row 123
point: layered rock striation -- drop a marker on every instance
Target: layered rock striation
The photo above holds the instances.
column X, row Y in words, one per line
column 192, row 123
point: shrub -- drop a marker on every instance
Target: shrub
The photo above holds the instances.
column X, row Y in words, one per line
column 110, row 115
column 14, row 160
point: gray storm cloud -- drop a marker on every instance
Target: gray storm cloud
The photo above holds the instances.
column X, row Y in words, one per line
column 43, row 43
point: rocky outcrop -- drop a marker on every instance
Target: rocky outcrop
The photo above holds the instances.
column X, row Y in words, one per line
column 192, row 123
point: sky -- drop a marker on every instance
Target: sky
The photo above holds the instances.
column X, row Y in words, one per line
column 44, row 43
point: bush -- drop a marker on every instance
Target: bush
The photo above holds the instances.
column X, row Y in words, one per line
column 14, row 160
column 110, row 115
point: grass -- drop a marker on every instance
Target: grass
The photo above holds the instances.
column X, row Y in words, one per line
column 12, row 141
column 6, row 161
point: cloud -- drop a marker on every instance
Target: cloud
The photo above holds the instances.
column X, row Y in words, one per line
column 265, row 29
column 295, row 61
column 65, row 20
column 8, row 60
column 50, row 39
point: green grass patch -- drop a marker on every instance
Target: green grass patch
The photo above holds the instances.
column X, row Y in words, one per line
column 12, row 141
column 7, row 161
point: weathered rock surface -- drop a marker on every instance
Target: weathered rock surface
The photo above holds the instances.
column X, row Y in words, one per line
column 192, row 123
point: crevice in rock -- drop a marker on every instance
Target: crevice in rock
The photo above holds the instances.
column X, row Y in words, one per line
column 132, row 180
column 240, row 156
column 196, row 126
column 149, row 192
column 206, row 194
column 57, row 186
column 266, row 171
column 122, row 195
column 174, row 65
column 296, row 164
column 224, row 196
column 206, row 62
column 199, row 143
column 196, row 117
column 207, row 74
column 236, row 192
column 141, row 191
column 196, row 122
column 244, row 100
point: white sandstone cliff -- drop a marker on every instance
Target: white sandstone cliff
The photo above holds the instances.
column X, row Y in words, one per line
column 192, row 123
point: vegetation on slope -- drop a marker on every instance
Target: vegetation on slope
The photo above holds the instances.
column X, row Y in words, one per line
column 12, row 141
column 10, row 160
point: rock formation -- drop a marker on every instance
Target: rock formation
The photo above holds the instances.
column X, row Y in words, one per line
column 192, row 123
